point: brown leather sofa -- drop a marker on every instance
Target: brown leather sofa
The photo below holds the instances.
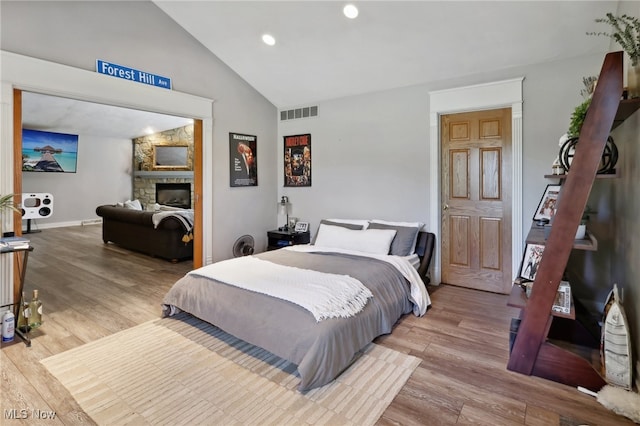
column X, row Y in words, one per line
column 134, row 230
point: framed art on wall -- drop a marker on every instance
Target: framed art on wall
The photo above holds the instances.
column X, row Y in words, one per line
column 297, row 160
column 243, row 160
column 548, row 203
column 49, row 151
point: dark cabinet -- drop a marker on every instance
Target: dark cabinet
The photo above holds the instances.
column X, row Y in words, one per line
column 278, row 239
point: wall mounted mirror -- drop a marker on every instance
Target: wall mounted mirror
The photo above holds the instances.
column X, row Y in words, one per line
column 171, row 157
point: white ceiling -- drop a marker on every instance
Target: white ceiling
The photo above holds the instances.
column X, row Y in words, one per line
column 320, row 54
column 55, row 114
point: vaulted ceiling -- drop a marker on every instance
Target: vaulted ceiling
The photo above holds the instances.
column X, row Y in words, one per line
column 320, row 54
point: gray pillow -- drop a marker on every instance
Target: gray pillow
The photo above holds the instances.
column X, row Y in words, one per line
column 405, row 240
column 344, row 225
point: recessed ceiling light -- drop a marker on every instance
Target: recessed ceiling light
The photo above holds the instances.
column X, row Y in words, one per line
column 268, row 39
column 350, row 11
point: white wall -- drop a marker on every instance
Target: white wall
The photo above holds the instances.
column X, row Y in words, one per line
column 103, row 176
column 370, row 153
column 369, row 158
column 140, row 35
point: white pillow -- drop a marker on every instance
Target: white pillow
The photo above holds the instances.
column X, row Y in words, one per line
column 133, row 204
column 374, row 241
column 363, row 222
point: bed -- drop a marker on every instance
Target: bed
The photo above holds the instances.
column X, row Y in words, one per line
column 321, row 348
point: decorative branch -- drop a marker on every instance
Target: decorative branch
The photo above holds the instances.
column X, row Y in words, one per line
column 625, row 31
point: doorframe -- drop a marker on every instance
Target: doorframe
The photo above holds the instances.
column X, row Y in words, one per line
column 493, row 95
column 36, row 75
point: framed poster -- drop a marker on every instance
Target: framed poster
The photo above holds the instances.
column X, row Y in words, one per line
column 297, row 160
column 548, row 203
column 243, row 160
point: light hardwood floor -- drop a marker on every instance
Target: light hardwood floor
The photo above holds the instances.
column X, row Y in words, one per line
column 90, row 290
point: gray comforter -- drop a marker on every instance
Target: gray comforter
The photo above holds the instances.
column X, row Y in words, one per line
column 322, row 350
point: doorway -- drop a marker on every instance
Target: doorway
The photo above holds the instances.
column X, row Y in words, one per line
column 476, row 199
column 100, row 124
column 22, row 72
column 493, row 95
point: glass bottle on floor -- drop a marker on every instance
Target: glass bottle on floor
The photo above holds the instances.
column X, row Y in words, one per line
column 35, row 307
column 23, row 315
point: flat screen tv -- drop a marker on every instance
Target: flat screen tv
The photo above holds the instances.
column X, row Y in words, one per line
column 49, row 151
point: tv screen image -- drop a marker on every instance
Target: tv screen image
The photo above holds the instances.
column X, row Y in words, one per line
column 49, row 152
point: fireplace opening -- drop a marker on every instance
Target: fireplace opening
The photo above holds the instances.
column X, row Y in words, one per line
column 174, row 194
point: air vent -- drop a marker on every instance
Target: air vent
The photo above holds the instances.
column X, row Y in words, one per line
column 292, row 114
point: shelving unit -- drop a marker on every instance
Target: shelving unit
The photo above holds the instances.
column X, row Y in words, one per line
column 625, row 109
column 518, row 299
column 536, row 236
column 564, row 349
column 598, row 176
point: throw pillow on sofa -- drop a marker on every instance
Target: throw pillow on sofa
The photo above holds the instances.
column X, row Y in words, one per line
column 133, row 204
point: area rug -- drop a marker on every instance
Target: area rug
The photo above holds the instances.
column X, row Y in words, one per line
column 185, row 371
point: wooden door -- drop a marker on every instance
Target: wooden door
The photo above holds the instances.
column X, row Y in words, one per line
column 476, row 200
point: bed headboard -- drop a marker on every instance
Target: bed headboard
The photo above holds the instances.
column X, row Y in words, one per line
column 424, row 250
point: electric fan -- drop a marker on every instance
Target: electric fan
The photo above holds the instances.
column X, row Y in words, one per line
column 243, row 246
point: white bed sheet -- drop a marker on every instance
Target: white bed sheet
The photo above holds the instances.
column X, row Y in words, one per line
column 414, row 260
column 419, row 295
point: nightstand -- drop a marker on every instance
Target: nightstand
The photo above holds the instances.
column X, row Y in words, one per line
column 278, row 239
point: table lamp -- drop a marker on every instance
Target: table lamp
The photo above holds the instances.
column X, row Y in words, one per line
column 284, row 208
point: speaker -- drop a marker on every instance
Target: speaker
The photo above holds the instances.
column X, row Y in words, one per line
column 37, row 206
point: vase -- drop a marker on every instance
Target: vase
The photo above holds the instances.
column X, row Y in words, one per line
column 633, row 81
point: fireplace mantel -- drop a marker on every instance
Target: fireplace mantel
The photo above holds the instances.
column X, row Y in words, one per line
column 183, row 174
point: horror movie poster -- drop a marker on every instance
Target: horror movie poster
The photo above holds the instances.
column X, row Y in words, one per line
column 297, row 160
column 243, row 159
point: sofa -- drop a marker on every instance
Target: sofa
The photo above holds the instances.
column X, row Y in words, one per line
column 134, row 230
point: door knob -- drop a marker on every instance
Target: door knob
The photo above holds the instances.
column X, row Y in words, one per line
column 446, row 206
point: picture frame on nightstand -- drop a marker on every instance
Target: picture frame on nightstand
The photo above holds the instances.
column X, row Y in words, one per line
column 301, row 227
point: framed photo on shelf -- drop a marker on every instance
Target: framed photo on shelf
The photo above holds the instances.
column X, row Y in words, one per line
column 562, row 303
column 530, row 261
column 548, row 203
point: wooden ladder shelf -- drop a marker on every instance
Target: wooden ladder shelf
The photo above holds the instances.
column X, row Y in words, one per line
column 534, row 352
